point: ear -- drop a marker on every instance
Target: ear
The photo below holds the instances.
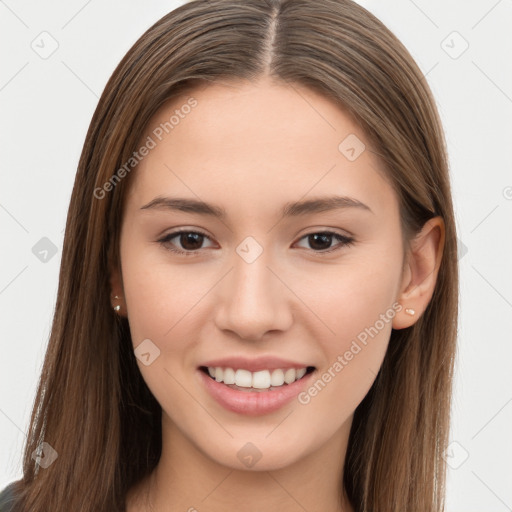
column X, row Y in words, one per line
column 420, row 272
column 116, row 286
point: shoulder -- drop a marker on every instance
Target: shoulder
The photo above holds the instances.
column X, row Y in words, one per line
column 7, row 498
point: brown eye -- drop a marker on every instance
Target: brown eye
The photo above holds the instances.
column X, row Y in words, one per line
column 191, row 241
column 188, row 242
column 321, row 242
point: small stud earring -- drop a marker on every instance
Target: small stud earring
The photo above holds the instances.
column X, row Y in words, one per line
column 410, row 311
column 118, row 307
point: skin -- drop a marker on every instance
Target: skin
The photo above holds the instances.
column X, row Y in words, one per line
column 250, row 148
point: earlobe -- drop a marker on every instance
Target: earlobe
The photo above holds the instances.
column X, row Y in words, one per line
column 420, row 274
column 116, row 291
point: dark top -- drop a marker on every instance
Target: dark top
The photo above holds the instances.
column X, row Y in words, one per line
column 7, row 498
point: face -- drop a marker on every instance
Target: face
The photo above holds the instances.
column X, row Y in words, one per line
column 264, row 280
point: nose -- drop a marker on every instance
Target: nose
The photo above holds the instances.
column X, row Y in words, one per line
column 253, row 300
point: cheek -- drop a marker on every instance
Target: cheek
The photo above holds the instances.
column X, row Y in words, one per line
column 161, row 302
column 356, row 309
column 350, row 297
column 351, row 362
column 160, row 299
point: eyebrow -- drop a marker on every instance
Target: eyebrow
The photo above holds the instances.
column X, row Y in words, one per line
column 291, row 209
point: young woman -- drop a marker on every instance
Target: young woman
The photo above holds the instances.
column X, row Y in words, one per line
column 257, row 303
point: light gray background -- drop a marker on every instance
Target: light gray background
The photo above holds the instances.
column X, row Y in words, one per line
column 46, row 106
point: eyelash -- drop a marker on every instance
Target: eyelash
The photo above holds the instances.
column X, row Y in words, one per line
column 345, row 241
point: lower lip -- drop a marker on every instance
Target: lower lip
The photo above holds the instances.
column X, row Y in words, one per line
column 253, row 403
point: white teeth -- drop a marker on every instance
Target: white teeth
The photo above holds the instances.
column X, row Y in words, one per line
column 229, row 376
column 301, row 373
column 277, row 378
column 289, row 375
column 263, row 379
column 243, row 378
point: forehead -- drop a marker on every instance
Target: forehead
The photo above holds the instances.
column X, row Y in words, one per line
column 250, row 144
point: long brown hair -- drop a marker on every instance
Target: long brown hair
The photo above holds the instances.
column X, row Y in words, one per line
column 92, row 405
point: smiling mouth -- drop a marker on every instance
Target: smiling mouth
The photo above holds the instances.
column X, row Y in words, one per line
column 261, row 381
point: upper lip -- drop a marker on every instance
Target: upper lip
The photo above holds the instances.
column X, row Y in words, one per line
column 255, row 364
